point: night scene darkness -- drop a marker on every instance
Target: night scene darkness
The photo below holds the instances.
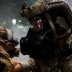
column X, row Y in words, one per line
column 11, row 19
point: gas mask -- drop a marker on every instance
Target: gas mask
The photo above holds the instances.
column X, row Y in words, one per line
column 50, row 22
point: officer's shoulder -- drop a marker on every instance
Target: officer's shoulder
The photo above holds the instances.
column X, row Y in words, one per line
column 69, row 41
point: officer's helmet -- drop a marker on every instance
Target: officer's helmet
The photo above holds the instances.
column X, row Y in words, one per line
column 51, row 26
column 57, row 16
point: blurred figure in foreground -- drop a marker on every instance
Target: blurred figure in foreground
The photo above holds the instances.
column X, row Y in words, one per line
column 7, row 50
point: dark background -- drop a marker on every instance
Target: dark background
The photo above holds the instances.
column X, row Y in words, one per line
column 9, row 10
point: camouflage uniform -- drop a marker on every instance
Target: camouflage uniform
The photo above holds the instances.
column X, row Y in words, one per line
column 63, row 61
column 64, row 64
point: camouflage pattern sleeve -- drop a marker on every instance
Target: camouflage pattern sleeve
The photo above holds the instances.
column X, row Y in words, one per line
column 68, row 61
column 68, row 64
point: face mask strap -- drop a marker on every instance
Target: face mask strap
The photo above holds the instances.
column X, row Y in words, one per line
column 50, row 22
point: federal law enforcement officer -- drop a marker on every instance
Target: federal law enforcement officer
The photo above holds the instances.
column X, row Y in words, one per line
column 48, row 41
